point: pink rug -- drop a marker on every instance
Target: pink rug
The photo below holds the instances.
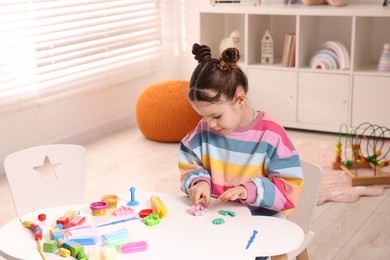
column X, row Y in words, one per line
column 336, row 185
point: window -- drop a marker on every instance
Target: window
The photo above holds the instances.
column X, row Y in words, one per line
column 53, row 49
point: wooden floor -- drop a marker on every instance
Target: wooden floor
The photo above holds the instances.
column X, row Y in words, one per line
column 359, row 230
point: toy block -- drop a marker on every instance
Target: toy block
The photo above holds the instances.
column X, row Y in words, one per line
column 84, row 240
column 109, row 253
column 50, row 246
column 60, row 241
column 63, row 252
column 133, row 247
column 59, row 226
column 76, row 248
column 82, row 255
column 75, row 221
column 83, row 235
column 96, row 254
column 64, row 219
column 67, row 244
column 56, row 233
column 115, row 239
column 78, row 231
column 54, row 230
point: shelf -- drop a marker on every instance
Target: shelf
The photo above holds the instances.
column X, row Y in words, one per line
column 319, row 71
column 371, row 70
column 352, row 9
column 318, row 99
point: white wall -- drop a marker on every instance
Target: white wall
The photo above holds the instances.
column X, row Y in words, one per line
column 80, row 118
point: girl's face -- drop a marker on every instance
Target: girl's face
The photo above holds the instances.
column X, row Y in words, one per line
column 223, row 116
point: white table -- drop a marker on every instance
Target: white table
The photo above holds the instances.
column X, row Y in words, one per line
column 180, row 235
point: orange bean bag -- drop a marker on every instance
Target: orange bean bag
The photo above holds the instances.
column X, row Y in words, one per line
column 164, row 113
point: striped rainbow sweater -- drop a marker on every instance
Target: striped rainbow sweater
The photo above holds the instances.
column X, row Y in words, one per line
column 258, row 156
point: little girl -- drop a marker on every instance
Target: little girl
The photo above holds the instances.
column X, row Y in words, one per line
column 235, row 152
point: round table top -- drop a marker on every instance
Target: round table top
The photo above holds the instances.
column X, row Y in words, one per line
column 180, row 235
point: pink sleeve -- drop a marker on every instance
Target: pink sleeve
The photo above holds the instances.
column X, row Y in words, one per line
column 252, row 192
column 195, row 180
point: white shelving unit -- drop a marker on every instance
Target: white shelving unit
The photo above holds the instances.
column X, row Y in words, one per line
column 302, row 97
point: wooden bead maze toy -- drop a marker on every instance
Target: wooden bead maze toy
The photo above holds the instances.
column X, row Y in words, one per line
column 365, row 154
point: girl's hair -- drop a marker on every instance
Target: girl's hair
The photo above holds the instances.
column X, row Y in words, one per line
column 215, row 78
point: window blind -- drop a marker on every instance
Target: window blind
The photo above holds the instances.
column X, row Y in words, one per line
column 50, row 50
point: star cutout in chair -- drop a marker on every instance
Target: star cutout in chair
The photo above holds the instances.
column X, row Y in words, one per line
column 47, row 170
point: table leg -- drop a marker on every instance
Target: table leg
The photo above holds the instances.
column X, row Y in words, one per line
column 303, row 256
column 279, row 257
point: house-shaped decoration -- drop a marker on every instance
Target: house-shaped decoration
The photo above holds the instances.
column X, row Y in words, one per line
column 267, row 48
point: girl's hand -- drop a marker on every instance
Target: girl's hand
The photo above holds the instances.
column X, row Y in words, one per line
column 200, row 193
column 235, row 193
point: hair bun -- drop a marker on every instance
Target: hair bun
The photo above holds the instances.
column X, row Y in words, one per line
column 229, row 58
column 201, row 52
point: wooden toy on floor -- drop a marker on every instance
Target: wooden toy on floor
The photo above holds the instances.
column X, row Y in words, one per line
column 369, row 146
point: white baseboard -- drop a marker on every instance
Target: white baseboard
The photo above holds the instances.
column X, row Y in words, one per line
column 91, row 133
column 98, row 131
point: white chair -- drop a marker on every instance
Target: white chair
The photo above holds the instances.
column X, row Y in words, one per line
column 46, row 176
column 303, row 213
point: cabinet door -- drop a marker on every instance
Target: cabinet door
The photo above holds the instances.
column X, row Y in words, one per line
column 273, row 92
column 323, row 99
column 371, row 100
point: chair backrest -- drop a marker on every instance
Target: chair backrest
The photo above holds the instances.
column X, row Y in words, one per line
column 303, row 213
column 46, row 176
